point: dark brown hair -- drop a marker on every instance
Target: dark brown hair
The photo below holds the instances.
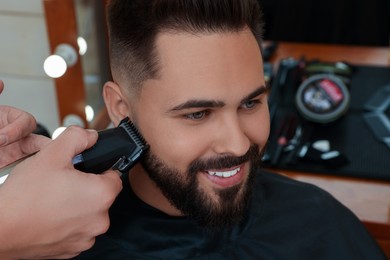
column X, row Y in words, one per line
column 134, row 24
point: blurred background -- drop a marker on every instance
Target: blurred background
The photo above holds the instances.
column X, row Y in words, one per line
column 31, row 31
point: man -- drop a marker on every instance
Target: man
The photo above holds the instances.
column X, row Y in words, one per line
column 47, row 208
column 189, row 75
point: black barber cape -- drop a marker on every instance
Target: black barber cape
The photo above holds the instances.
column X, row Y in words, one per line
column 287, row 220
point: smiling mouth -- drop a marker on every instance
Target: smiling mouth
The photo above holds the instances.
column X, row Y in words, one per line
column 224, row 174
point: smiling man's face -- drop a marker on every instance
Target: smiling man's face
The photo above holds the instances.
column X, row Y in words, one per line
column 206, row 120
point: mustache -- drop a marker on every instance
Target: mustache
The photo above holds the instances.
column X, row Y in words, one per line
column 253, row 154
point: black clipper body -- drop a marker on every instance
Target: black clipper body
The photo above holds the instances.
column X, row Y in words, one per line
column 117, row 148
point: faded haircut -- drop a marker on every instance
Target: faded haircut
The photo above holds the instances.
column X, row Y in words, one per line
column 133, row 27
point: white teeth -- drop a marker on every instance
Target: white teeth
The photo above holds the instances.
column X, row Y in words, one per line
column 226, row 174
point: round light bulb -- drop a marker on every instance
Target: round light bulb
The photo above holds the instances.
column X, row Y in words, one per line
column 57, row 132
column 55, row 66
column 89, row 112
column 82, row 43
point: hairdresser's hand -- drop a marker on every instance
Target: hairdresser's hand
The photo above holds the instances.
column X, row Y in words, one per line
column 16, row 140
column 49, row 209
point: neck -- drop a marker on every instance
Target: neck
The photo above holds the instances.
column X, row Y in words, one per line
column 147, row 190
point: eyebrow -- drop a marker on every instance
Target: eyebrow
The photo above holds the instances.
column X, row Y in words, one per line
column 259, row 91
column 195, row 103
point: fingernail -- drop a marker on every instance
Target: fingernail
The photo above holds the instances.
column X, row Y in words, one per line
column 92, row 131
column 3, row 140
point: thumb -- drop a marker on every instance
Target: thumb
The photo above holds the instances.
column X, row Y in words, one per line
column 112, row 177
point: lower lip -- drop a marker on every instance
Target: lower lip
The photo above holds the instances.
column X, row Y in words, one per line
column 230, row 181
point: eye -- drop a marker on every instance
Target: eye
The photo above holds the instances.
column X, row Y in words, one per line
column 251, row 104
column 197, row 116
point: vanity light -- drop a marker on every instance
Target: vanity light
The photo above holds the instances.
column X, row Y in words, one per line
column 57, row 132
column 83, row 46
column 56, row 65
column 89, row 112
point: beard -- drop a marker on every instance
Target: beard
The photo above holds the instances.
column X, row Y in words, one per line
column 226, row 208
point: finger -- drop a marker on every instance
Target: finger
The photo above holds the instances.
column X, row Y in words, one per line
column 34, row 143
column 1, row 86
column 19, row 127
column 71, row 142
column 74, row 249
column 60, row 256
column 114, row 178
column 68, row 256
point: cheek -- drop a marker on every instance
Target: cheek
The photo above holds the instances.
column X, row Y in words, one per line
column 258, row 128
column 177, row 147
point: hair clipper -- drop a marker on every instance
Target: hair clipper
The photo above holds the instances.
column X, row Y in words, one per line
column 117, row 148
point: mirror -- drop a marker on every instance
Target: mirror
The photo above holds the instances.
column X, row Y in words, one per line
column 94, row 56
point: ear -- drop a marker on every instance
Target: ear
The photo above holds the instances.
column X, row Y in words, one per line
column 116, row 102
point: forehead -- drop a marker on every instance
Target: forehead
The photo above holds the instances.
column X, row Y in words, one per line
column 202, row 65
column 202, row 51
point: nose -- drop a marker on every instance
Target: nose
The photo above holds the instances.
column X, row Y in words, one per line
column 230, row 138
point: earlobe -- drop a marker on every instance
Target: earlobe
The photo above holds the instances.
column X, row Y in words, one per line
column 115, row 101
